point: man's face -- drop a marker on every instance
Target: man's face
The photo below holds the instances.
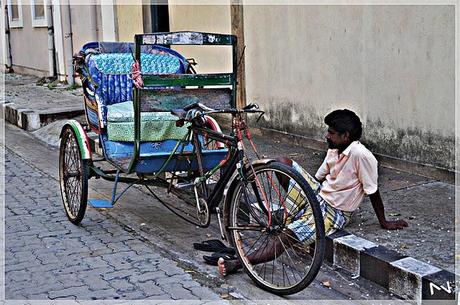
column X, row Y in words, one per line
column 337, row 140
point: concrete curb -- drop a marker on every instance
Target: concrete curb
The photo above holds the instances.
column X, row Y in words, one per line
column 404, row 276
column 31, row 120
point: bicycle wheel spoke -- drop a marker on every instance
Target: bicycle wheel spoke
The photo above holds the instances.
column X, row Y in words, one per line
column 289, row 256
column 248, row 252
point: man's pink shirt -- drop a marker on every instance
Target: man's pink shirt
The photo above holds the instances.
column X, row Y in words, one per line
column 348, row 176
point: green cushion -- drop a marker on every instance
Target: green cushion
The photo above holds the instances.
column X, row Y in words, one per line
column 155, row 126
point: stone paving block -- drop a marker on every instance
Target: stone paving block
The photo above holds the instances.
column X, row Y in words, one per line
column 80, row 266
column 178, row 278
column 204, row 293
column 70, row 292
column 190, row 283
column 132, row 295
column 375, row 264
column 118, row 246
column 24, row 255
column 122, row 285
column 147, row 265
column 69, row 280
column 177, row 292
column 169, row 269
column 158, row 297
column 95, row 282
column 405, row 278
column 151, row 288
column 89, row 272
column 146, row 276
column 96, row 262
column 40, row 268
column 119, row 274
column 38, row 289
column 17, row 276
column 39, row 296
column 347, row 252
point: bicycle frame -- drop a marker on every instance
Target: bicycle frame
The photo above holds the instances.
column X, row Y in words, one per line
column 233, row 162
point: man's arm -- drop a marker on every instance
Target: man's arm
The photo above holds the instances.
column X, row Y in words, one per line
column 377, row 204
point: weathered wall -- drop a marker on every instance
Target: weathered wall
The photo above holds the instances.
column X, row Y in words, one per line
column 203, row 18
column 393, row 65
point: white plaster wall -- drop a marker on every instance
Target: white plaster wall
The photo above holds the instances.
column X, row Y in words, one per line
column 393, row 65
column 203, row 18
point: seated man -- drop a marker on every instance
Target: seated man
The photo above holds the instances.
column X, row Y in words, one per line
column 348, row 172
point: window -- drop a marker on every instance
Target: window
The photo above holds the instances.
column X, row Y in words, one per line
column 15, row 13
column 38, row 8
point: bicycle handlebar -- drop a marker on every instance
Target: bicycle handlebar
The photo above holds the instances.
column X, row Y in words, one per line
column 196, row 111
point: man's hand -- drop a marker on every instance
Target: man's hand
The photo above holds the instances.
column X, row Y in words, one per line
column 377, row 204
column 394, row 224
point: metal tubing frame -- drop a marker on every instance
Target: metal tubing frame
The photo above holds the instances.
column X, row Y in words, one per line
column 179, row 38
column 217, row 193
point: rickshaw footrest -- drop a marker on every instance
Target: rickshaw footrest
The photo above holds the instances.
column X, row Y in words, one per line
column 100, row 203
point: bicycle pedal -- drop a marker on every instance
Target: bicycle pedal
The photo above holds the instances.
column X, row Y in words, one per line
column 184, row 185
column 100, row 203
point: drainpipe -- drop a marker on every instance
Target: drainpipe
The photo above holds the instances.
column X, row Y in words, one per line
column 9, row 56
column 68, row 45
column 51, row 49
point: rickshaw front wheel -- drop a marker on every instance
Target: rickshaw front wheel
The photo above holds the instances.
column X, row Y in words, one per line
column 73, row 177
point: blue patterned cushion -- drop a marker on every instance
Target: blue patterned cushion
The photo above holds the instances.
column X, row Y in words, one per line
column 112, row 74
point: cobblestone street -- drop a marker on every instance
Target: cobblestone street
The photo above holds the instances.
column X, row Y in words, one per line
column 47, row 257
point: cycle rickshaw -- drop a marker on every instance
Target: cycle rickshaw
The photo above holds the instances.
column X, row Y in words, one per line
column 150, row 122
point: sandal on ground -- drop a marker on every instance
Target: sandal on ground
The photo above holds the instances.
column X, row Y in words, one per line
column 213, row 258
column 213, row 245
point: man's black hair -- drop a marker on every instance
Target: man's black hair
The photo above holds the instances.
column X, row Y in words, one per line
column 343, row 120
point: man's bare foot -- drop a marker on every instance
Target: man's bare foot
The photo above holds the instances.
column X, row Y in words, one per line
column 226, row 267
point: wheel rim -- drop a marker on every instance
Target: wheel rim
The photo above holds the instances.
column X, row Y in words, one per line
column 251, row 232
column 71, row 177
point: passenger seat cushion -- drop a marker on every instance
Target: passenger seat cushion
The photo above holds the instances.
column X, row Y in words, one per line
column 155, row 126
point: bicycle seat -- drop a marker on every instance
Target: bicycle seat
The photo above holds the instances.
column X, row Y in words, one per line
column 180, row 113
column 192, row 112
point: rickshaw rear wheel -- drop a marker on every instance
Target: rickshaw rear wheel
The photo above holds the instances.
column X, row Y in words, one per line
column 73, row 177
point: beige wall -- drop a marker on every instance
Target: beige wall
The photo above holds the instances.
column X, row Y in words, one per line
column 81, row 19
column 393, row 65
column 203, row 18
column 29, row 46
column 129, row 21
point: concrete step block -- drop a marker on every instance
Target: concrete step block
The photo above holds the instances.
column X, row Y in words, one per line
column 347, row 252
column 329, row 252
column 375, row 264
column 439, row 286
column 405, row 277
column 31, row 120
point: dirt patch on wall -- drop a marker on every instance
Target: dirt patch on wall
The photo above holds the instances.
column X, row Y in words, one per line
column 413, row 145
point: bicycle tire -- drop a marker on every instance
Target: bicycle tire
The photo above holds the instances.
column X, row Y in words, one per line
column 247, row 215
column 73, row 177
